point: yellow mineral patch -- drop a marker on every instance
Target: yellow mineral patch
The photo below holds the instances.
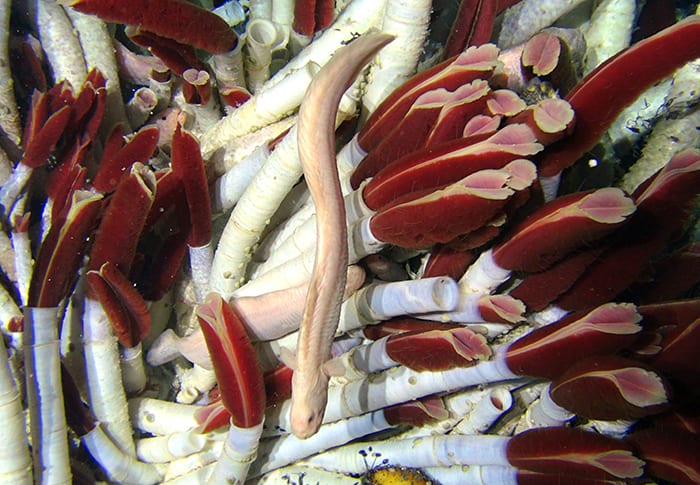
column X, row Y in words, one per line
column 397, row 476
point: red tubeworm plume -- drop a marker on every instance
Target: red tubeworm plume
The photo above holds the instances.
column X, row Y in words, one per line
column 235, row 363
column 174, row 19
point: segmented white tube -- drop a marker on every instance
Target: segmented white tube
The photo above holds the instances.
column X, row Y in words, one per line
column 386, row 300
column 10, row 122
column 120, row 467
column 609, row 31
column 407, row 21
column 98, row 49
column 492, row 404
column 287, row 449
column 543, row 413
column 45, row 394
column 104, row 377
column 473, row 475
column 133, row 371
column 162, row 417
column 420, row 452
column 15, row 462
column 267, row 106
column 359, row 17
column 483, row 276
column 163, row 449
column 261, row 35
column 59, row 40
column 398, row 385
column 239, row 451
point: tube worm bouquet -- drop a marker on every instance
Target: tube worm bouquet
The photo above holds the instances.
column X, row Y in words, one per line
column 349, row 242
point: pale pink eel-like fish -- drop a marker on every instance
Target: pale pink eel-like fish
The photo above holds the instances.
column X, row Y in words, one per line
column 316, row 140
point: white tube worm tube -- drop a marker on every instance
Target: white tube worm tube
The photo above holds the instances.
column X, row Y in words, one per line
column 267, row 106
column 420, row 452
column 407, row 21
column 280, row 172
column 473, row 475
column 201, row 258
column 543, row 412
column 194, row 382
column 668, row 137
column 637, row 120
column 6, row 166
column 468, row 311
column 240, row 450
column 286, row 228
column 289, row 274
column 359, row 17
column 133, row 371
column 12, row 187
column 382, row 301
column 549, row 315
column 231, row 11
column 483, row 276
column 197, row 467
column 203, row 116
column 9, row 311
column 24, row 263
column 485, row 411
column 287, row 449
column 60, row 43
column 228, row 189
column 297, row 198
column 366, row 359
column 361, row 242
column 228, row 67
column 671, row 134
column 267, row 190
column 227, row 157
column 71, row 337
column 45, row 395
column 616, row 429
column 163, row 449
column 525, row 19
column 347, row 159
column 98, row 49
column 294, row 239
column 161, row 417
column 470, row 412
column 260, row 9
column 398, row 385
column 261, row 35
column 9, row 115
column 609, row 31
column 120, row 467
column 7, row 259
column 141, row 106
column 305, row 474
column 160, row 311
column 15, row 462
column 283, row 13
column 104, row 378
column 196, row 474
column 297, row 42
column 163, row 91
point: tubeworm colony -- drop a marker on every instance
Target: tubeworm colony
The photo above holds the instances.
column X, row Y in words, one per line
column 347, row 242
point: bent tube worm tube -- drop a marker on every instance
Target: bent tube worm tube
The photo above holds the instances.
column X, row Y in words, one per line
column 317, row 153
column 15, row 461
